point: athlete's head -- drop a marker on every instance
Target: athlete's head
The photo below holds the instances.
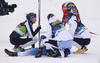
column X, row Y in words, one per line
column 71, row 7
column 50, row 16
column 31, row 17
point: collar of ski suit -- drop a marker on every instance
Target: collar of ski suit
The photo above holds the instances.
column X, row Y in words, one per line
column 30, row 22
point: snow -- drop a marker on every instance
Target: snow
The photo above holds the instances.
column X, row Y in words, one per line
column 89, row 12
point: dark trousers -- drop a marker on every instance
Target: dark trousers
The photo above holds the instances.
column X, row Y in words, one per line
column 82, row 41
column 19, row 41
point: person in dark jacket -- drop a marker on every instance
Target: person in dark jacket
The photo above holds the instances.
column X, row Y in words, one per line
column 22, row 30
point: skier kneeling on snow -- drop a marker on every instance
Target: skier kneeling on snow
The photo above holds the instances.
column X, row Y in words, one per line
column 62, row 39
column 22, row 30
column 80, row 33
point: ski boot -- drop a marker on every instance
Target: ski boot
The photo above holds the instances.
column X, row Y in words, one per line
column 39, row 54
column 56, row 54
column 80, row 51
column 10, row 53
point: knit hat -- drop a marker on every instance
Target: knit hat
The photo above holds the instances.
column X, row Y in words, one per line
column 30, row 16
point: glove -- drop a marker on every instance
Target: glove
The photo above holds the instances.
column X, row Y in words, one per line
column 39, row 27
column 37, row 30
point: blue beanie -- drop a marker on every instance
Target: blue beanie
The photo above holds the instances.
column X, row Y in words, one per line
column 30, row 16
column 68, row 16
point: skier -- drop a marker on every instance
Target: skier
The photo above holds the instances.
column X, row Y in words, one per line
column 57, row 37
column 17, row 37
column 70, row 7
column 80, row 33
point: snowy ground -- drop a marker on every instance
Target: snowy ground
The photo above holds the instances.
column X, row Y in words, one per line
column 89, row 11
